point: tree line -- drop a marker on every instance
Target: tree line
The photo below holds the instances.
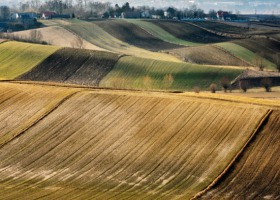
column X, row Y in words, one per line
column 95, row 9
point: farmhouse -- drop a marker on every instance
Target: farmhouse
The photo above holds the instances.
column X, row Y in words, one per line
column 226, row 16
column 254, row 78
column 48, row 14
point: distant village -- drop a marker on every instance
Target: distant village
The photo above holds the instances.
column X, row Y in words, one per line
column 16, row 21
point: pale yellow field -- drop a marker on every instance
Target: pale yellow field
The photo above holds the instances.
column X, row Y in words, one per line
column 58, row 36
column 101, row 144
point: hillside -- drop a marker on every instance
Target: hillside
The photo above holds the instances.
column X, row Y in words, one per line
column 189, row 32
column 75, row 66
column 99, row 37
column 100, row 144
column 58, row 36
column 138, row 73
column 209, row 55
column 17, row 58
column 256, row 174
column 134, row 35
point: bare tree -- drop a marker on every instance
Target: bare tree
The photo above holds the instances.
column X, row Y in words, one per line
column 35, row 36
column 258, row 61
column 147, row 82
column 78, row 43
column 213, row 87
column 167, row 81
column 225, row 82
column 276, row 58
column 266, row 83
column 243, row 84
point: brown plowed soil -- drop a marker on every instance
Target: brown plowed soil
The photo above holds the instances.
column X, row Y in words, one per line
column 257, row 174
column 208, row 54
column 188, row 32
column 76, row 66
column 264, row 47
column 134, row 35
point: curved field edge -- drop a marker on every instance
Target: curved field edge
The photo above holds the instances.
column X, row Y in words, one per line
column 256, row 173
column 245, row 54
column 137, row 73
column 107, row 141
column 99, row 37
column 30, row 106
column 17, row 58
column 234, row 160
column 83, row 67
column 161, row 33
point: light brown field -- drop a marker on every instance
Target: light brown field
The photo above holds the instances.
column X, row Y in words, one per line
column 58, row 36
column 99, row 144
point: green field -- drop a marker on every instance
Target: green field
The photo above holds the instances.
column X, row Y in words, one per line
column 161, row 33
column 245, row 54
column 137, row 73
column 99, row 37
column 16, row 58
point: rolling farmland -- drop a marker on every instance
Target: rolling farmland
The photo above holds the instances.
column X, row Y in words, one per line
column 209, row 55
column 161, row 33
column 245, row 54
column 99, row 37
column 58, row 36
column 137, row 73
column 17, row 58
column 75, row 66
column 189, row 32
column 99, row 144
column 256, row 174
column 134, row 35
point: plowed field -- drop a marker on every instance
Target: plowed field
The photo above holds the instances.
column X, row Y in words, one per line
column 188, row 32
column 256, row 174
column 76, row 66
column 21, row 106
column 17, row 58
column 99, row 37
column 134, row 35
column 121, row 145
column 263, row 47
column 208, row 54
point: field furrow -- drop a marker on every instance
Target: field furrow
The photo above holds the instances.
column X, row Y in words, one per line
column 256, row 174
column 29, row 106
column 120, row 145
column 75, row 66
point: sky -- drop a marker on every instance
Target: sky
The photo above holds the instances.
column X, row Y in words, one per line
column 242, row 6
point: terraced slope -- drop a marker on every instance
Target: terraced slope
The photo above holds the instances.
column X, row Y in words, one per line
column 256, row 174
column 245, row 54
column 134, row 35
column 17, row 58
column 188, row 32
column 121, row 145
column 97, row 36
column 22, row 106
column 137, row 73
column 76, row 66
column 208, row 54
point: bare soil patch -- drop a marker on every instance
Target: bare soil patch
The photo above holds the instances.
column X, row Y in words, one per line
column 76, row 66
